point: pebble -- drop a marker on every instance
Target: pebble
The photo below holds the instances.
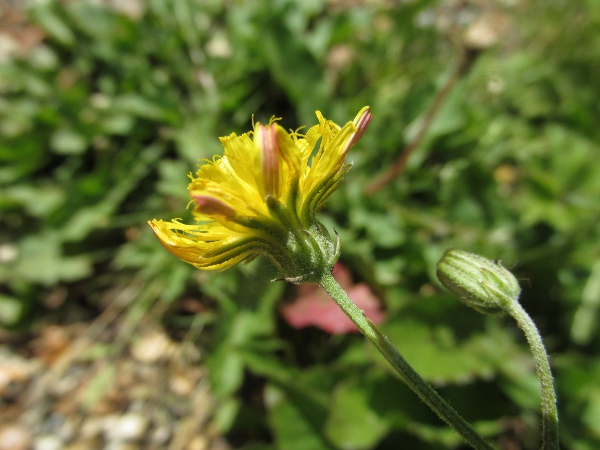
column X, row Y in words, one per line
column 8, row 253
column 85, row 444
column 65, row 385
column 48, row 442
column 198, row 443
column 151, row 348
column 161, row 435
column 129, row 427
column 91, row 427
column 181, row 385
column 15, row 372
column 14, row 437
column 122, row 446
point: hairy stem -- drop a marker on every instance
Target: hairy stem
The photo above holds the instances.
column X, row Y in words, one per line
column 409, row 375
column 542, row 365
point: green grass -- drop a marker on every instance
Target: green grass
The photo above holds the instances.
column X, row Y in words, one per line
column 101, row 122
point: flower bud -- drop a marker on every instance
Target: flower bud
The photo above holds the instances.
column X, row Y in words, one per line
column 480, row 283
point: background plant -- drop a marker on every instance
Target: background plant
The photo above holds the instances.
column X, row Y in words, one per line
column 100, row 120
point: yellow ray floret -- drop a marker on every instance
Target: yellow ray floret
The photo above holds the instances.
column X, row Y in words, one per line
column 261, row 196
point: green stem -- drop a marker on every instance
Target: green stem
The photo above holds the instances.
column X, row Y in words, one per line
column 409, row 375
column 542, row 365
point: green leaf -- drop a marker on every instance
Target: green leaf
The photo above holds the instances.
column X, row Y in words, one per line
column 225, row 413
column 118, row 123
column 294, row 426
column 438, row 355
column 13, row 310
column 39, row 201
column 66, row 141
column 41, row 260
column 352, row 424
column 139, row 106
column 173, row 180
column 45, row 14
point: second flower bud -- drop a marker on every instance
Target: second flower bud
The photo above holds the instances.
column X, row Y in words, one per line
column 480, row 283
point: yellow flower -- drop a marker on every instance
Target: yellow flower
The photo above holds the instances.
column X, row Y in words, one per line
column 261, row 197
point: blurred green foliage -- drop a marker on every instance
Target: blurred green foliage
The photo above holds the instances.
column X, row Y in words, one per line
column 101, row 121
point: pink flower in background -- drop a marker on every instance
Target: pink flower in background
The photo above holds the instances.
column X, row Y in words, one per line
column 313, row 307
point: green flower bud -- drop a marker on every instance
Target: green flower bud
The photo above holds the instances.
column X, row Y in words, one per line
column 480, row 283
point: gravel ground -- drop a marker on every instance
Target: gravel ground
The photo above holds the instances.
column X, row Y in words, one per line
column 63, row 390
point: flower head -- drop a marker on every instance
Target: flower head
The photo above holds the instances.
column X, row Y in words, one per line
column 261, row 197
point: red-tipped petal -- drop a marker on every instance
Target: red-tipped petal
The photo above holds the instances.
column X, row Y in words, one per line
column 361, row 122
column 211, row 206
column 266, row 139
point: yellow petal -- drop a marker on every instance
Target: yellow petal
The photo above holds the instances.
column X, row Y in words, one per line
column 262, row 195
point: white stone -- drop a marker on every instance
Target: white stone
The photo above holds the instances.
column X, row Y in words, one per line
column 14, row 437
column 48, row 442
column 129, row 427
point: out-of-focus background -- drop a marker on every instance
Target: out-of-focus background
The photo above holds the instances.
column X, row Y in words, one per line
column 485, row 137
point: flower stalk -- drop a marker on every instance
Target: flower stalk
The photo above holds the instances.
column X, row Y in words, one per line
column 407, row 374
column 490, row 288
column 542, row 366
